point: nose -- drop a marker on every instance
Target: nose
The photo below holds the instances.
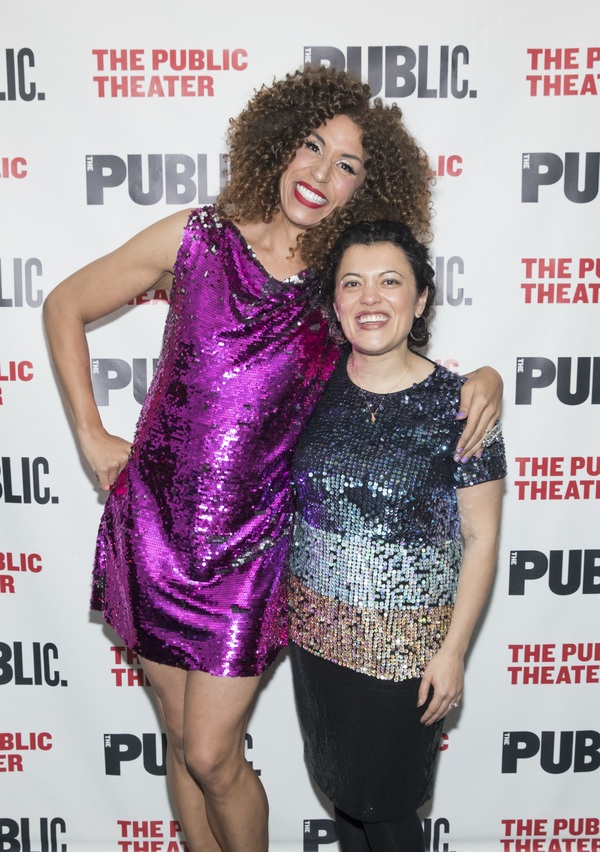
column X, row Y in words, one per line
column 370, row 294
column 321, row 170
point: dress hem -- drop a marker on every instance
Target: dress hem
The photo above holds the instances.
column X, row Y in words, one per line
column 136, row 648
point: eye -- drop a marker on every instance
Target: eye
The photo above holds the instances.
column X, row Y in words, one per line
column 312, row 146
column 350, row 284
column 348, row 168
column 391, row 282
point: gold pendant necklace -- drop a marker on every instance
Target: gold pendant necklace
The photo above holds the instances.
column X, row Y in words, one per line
column 374, row 413
column 371, row 412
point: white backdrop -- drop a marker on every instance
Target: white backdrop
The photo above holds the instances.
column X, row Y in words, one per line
column 114, row 114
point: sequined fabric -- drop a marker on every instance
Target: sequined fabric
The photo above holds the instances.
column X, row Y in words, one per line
column 377, row 550
column 195, row 533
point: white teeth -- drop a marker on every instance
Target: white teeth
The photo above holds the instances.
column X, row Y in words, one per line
column 310, row 196
column 372, row 318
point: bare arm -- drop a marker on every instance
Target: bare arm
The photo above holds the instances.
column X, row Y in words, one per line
column 98, row 289
column 479, row 507
column 480, row 401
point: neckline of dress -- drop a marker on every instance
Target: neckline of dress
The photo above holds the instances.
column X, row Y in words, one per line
column 413, row 387
column 296, row 278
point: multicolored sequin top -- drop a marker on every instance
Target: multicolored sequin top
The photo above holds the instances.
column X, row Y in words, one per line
column 377, row 549
column 195, row 533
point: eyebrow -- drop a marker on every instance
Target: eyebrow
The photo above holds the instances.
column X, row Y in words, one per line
column 385, row 272
column 347, row 156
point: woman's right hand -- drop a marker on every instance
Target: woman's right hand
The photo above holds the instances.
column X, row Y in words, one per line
column 106, row 454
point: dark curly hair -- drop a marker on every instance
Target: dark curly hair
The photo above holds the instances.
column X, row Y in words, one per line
column 417, row 254
column 264, row 138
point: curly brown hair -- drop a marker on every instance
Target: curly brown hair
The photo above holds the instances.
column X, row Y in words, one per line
column 264, row 138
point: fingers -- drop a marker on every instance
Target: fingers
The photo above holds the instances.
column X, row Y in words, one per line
column 107, row 471
column 480, row 401
column 439, row 707
column 470, row 442
column 444, row 680
column 107, row 478
column 423, row 690
column 103, row 481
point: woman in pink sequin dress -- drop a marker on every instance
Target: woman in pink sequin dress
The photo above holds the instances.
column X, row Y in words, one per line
column 195, row 531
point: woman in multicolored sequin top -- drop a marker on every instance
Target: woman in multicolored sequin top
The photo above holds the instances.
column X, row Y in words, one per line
column 394, row 548
column 195, row 531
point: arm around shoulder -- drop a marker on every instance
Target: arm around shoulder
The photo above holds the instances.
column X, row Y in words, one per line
column 480, row 403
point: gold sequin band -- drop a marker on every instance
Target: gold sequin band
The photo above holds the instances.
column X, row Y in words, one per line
column 393, row 645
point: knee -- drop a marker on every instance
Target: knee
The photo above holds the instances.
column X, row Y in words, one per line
column 214, row 766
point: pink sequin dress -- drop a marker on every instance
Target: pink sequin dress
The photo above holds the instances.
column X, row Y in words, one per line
column 193, row 540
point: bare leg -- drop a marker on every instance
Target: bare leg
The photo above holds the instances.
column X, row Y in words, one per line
column 220, row 801
column 169, row 686
column 216, row 715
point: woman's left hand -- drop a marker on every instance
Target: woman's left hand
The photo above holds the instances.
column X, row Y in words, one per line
column 445, row 673
column 480, row 401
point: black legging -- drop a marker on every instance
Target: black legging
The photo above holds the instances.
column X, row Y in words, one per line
column 396, row 835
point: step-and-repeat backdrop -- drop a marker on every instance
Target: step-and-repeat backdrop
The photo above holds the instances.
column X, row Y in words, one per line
column 112, row 116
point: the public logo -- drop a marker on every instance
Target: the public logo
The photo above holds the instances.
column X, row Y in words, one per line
column 19, row 287
column 563, row 71
column 25, row 480
column 318, row 833
column 125, row 748
column 150, row 748
column 19, row 76
column 448, row 276
column 13, row 167
column 13, row 564
column 549, row 663
column 115, row 374
column 161, row 72
column 30, row 664
column 558, row 477
column 127, row 668
column 564, row 572
column 557, row 834
column 578, row 171
column 150, row 178
column 556, row 752
column 14, row 371
column 561, row 280
column 25, row 834
column 400, row 71
column 151, row 835
column 15, row 746
column 574, row 380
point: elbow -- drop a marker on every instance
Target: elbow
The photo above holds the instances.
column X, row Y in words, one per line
column 49, row 310
column 59, row 310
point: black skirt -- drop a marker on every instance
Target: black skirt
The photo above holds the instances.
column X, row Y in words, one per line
column 364, row 744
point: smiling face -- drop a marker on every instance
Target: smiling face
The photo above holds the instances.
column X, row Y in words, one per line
column 376, row 298
column 324, row 174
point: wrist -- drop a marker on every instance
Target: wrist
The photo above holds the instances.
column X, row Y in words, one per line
column 90, row 430
column 456, row 646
